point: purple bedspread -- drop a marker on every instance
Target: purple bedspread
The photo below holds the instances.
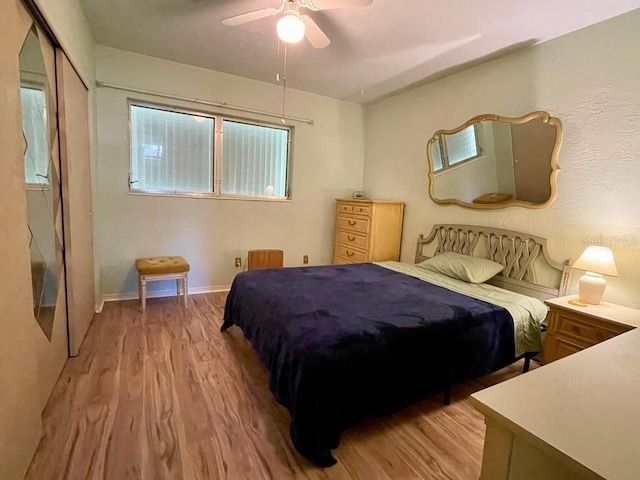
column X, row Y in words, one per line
column 345, row 343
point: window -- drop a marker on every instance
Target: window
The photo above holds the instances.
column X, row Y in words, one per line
column 177, row 152
column 34, row 126
column 455, row 148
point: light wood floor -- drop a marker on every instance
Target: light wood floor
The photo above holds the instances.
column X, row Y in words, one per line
column 165, row 395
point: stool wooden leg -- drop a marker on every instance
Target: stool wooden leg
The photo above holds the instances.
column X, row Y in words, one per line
column 185, row 286
column 143, row 292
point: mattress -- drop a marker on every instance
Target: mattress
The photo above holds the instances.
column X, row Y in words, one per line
column 527, row 313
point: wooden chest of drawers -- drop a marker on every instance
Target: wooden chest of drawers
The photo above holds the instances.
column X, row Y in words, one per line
column 572, row 328
column 367, row 231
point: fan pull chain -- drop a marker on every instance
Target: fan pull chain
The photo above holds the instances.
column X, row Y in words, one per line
column 284, row 82
column 278, row 67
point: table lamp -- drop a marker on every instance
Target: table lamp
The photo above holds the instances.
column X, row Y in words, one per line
column 596, row 261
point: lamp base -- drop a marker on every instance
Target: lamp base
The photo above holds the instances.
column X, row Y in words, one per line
column 577, row 303
column 591, row 288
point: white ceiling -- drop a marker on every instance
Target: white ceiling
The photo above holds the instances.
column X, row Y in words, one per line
column 375, row 50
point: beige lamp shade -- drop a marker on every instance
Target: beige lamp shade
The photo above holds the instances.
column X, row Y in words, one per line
column 597, row 260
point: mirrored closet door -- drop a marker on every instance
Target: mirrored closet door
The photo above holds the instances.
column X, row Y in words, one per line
column 54, row 104
column 73, row 114
column 42, row 186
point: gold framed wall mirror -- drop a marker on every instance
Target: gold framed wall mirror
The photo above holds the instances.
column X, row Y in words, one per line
column 492, row 162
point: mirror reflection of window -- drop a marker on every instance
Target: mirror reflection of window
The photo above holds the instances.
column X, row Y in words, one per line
column 34, row 126
column 436, row 154
column 456, row 148
column 462, row 146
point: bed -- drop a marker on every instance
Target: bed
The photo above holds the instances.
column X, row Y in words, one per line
column 343, row 343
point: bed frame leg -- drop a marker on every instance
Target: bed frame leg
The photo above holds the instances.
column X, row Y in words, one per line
column 527, row 362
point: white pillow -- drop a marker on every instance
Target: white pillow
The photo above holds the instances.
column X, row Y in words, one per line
column 462, row 267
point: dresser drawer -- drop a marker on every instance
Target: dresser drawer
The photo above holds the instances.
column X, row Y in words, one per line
column 565, row 348
column 357, row 224
column 341, row 261
column 350, row 254
column 352, row 239
column 586, row 331
column 362, row 209
column 354, row 208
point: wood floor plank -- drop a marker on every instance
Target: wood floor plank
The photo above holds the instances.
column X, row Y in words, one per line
column 124, row 443
column 82, row 362
column 164, row 395
column 195, row 417
column 61, row 407
column 83, row 448
column 161, row 452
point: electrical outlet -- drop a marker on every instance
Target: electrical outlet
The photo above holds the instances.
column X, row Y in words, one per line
column 238, row 262
column 305, row 259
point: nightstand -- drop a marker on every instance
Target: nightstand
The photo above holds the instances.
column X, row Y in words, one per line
column 571, row 328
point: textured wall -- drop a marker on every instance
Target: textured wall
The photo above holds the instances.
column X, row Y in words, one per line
column 590, row 80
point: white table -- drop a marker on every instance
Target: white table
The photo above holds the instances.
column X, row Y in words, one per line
column 576, row 418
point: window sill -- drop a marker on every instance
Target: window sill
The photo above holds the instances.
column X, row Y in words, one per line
column 210, row 196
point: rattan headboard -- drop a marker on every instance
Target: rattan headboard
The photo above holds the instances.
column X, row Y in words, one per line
column 528, row 267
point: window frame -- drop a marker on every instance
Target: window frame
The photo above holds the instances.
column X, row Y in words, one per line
column 41, row 87
column 217, row 162
column 444, row 154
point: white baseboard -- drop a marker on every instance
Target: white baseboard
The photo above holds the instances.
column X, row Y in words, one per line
column 115, row 297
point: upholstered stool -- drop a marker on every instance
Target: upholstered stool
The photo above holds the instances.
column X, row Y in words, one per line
column 151, row 269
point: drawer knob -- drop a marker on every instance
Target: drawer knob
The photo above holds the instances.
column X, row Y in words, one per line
column 600, row 336
column 352, row 222
column 575, row 329
column 351, row 238
column 349, row 254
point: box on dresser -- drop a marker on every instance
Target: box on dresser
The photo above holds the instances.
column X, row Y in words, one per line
column 367, row 230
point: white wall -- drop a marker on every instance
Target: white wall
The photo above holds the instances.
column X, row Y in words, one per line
column 468, row 180
column 67, row 21
column 590, row 80
column 327, row 163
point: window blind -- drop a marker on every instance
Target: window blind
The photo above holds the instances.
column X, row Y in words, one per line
column 462, row 146
column 34, row 126
column 171, row 151
column 254, row 159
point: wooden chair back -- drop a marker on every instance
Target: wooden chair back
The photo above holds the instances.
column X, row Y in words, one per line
column 262, row 259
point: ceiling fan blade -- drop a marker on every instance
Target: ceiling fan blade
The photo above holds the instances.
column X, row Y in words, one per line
column 249, row 16
column 312, row 31
column 329, row 4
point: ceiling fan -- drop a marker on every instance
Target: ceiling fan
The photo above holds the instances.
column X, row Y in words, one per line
column 293, row 26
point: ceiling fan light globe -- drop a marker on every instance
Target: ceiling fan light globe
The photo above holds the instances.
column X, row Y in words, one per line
column 290, row 28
